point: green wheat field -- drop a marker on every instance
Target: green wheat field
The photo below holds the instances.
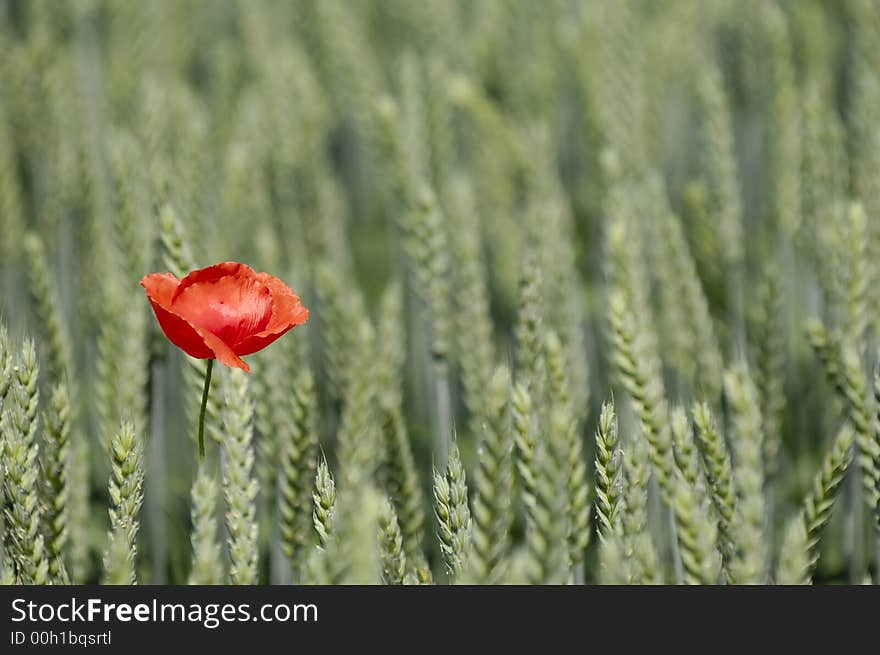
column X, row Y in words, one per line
column 594, row 291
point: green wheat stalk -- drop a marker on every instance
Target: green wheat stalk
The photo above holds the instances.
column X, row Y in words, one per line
column 614, row 565
column 426, row 245
column 855, row 274
column 551, row 227
column 298, row 444
column 473, row 334
column 391, row 345
column 705, row 240
column 118, row 567
column 403, row 485
column 566, row 437
column 696, row 530
column 399, row 474
column 207, row 563
column 424, row 231
column 693, row 348
column 126, row 497
column 324, row 503
column 718, row 470
column 357, row 550
column 493, row 484
column 685, row 450
column 844, row 370
column 541, row 484
column 531, row 362
column 59, row 357
column 106, row 373
column 638, row 542
column 439, row 127
column 122, row 365
column 863, row 127
column 391, row 546
column 825, row 177
column 11, row 201
column 497, row 164
column 338, row 300
column 175, row 253
column 357, row 444
column 697, row 535
column 826, row 346
column 267, row 385
column 620, row 85
column 240, row 487
column 749, row 565
column 609, row 473
column 784, row 119
column 390, row 151
column 79, row 517
column 769, row 371
column 24, row 544
column 794, row 556
column 643, row 388
column 720, row 159
column 132, row 202
column 56, row 469
column 825, row 489
column 452, row 513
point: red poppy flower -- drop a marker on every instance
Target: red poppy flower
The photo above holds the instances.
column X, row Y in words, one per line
column 225, row 311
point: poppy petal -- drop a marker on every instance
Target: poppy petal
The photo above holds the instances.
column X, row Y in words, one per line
column 214, row 273
column 287, row 313
column 257, row 342
column 223, row 352
column 193, row 340
column 160, row 288
column 286, row 305
column 231, row 307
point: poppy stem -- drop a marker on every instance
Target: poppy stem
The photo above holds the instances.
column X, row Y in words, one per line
column 208, row 372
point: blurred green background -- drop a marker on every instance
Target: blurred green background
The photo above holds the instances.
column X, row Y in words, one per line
column 311, row 138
